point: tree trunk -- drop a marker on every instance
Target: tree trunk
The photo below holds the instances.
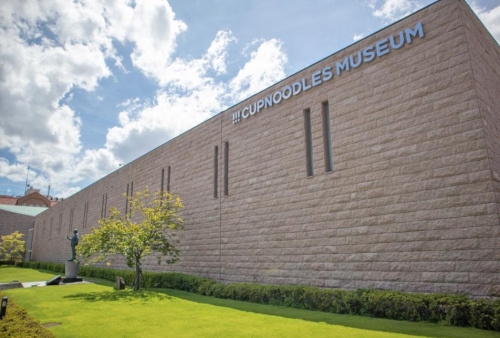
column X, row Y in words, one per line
column 137, row 274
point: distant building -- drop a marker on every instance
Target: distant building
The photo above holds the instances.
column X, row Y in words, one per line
column 18, row 213
column 19, row 218
column 33, row 198
column 8, row 200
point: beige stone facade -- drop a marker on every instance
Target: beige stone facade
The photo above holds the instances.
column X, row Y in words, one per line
column 412, row 202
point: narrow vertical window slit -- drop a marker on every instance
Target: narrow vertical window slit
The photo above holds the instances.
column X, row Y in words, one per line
column 106, row 205
column 162, row 180
column 216, row 170
column 327, row 137
column 308, row 139
column 226, row 168
column 71, row 219
column 131, row 194
column 85, row 214
column 126, row 200
column 102, row 206
column 168, row 179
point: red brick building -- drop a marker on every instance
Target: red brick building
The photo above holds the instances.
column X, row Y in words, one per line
column 35, row 199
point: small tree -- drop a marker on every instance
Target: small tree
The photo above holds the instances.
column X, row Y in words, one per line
column 12, row 247
column 122, row 235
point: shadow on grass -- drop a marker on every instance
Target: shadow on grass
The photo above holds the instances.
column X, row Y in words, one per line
column 126, row 295
column 352, row 321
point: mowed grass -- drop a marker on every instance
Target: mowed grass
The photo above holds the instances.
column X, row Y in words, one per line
column 90, row 310
column 9, row 274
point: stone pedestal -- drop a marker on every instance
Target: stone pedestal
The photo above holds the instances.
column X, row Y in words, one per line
column 71, row 272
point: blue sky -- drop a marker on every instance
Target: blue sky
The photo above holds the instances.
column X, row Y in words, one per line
column 87, row 86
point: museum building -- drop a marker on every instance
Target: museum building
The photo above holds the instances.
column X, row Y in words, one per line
column 376, row 167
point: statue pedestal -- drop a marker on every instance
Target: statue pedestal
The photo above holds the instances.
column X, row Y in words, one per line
column 71, row 272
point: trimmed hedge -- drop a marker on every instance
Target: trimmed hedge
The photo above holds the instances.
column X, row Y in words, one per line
column 446, row 309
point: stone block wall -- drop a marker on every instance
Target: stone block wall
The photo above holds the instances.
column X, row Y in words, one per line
column 485, row 64
column 190, row 160
column 411, row 203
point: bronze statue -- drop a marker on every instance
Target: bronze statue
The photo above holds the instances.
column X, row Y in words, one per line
column 74, row 243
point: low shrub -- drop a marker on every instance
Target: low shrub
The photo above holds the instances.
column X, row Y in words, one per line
column 17, row 323
column 55, row 267
column 456, row 310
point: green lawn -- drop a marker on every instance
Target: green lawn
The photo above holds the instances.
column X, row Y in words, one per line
column 9, row 274
column 90, row 310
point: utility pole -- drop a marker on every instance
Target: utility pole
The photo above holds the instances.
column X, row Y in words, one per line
column 26, row 185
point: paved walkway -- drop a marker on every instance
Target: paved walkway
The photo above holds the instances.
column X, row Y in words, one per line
column 15, row 285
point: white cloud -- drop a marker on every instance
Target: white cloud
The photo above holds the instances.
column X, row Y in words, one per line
column 96, row 162
column 190, row 74
column 216, row 53
column 48, row 48
column 490, row 18
column 144, row 127
column 392, row 10
column 126, row 103
column 265, row 67
column 153, row 29
column 15, row 172
column 357, row 37
column 371, row 3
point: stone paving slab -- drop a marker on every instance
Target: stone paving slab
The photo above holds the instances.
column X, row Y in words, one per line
column 31, row 284
column 6, row 286
column 44, row 283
